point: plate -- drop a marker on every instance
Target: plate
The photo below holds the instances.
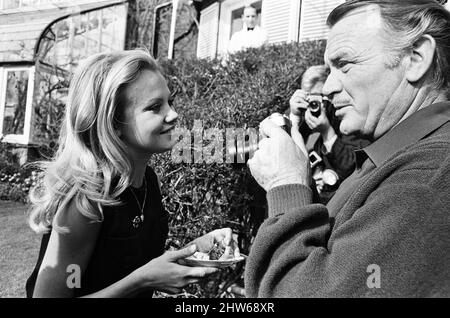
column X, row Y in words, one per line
column 214, row 263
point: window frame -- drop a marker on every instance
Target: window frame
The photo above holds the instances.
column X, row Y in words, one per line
column 25, row 137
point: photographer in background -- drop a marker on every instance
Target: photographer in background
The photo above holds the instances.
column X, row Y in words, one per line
column 331, row 153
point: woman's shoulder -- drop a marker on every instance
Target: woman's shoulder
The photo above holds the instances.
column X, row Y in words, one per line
column 74, row 231
column 75, row 221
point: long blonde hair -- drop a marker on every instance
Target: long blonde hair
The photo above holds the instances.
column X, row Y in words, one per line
column 90, row 155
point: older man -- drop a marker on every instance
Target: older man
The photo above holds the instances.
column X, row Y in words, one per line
column 386, row 232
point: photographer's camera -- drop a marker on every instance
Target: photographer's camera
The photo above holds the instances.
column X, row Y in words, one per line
column 316, row 102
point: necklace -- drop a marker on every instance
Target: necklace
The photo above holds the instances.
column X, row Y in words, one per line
column 140, row 218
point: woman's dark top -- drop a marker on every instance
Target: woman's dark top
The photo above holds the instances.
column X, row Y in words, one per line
column 121, row 248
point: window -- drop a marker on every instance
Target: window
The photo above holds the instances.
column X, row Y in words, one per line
column 16, row 86
column 230, row 21
column 236, row 17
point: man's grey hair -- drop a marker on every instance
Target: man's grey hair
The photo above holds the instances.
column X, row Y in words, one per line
column 407, row 21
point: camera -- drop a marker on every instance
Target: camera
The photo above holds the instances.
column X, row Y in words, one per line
column 241, row 151
column 316, row 102
column 314, row 159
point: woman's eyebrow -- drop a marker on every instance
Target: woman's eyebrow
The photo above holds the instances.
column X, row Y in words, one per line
column 153, row 101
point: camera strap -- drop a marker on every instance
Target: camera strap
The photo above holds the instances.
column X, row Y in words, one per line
column 311, row 141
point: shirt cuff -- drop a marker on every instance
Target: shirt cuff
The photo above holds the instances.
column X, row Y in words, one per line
column 294, row 119
column 329, row 144
column 289, row 197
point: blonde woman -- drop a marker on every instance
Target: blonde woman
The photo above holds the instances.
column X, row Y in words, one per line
column 100, row 204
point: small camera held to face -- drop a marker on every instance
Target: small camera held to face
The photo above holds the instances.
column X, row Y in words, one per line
column 242, row 151
column 316, row 102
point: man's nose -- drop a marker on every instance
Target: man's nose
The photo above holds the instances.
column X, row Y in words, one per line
column 332, row 85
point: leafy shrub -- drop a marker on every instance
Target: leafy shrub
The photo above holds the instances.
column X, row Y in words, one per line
column 15, row 180
column 15, row 187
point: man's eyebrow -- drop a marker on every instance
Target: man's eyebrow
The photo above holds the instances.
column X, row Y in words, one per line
column 336, row 57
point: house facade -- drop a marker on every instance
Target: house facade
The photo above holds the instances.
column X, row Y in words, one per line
column 41, row 41
column 284, row 21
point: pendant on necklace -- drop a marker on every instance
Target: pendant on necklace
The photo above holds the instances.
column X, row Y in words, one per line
column 136, row 222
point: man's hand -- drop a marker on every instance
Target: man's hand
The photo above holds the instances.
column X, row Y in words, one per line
column 280, row 159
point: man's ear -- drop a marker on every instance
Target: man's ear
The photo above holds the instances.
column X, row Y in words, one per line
column 421, row 58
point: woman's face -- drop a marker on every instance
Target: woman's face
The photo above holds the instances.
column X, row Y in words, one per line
column 148, row 119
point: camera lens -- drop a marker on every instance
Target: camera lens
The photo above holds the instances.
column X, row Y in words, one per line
column 242, row 150
column 314, row 108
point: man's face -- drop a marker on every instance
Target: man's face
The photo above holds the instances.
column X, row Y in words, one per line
column 249, row 17
column 370, row 96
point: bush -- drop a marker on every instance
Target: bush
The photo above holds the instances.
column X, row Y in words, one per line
column 15, row 180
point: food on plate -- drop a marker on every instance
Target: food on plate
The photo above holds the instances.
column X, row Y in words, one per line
column 218, row 252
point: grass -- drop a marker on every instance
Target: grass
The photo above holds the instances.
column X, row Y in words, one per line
column 19, row 247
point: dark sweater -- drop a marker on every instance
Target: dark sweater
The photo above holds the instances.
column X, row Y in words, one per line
column 392, row 212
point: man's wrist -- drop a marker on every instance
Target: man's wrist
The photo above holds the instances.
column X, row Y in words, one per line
column 288, row 180
column 287, row 198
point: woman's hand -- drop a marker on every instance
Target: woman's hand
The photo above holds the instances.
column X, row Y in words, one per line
column 319, row 124
column 165, row 274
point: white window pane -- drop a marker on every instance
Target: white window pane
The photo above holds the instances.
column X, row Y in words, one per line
column 93, row 32
column 15, row 102
column 11, row 4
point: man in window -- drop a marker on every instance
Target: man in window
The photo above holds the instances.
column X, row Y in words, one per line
column 251, row 35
